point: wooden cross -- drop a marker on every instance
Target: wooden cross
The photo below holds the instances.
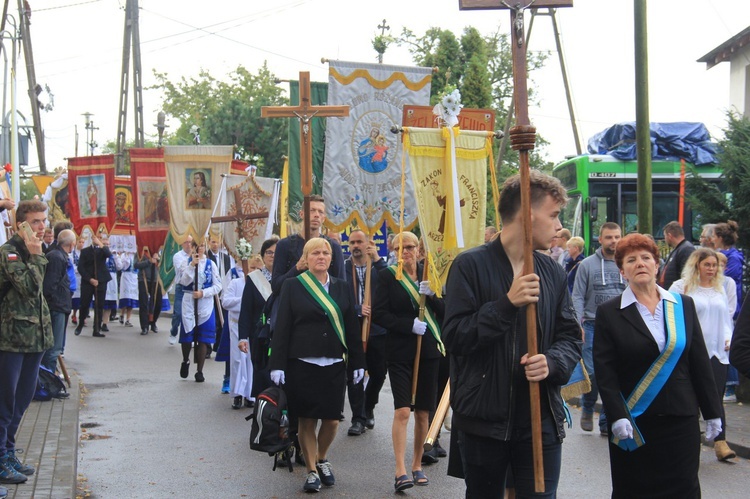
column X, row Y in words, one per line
column 523, row 137
column 305, row 112
column 239, row 217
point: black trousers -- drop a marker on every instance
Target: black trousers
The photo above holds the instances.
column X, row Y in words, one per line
column 362, row 401
column 154, row 304
column 87, row 294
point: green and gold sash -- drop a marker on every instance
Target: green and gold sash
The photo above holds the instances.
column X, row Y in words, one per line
column 413, row 291
column 322, row 298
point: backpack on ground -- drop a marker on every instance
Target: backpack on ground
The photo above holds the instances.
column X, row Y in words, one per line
column 268, row 433
column 49, row 386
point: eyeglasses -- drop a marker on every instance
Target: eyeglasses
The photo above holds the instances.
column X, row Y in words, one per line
column 409, row 247
column 269, row 253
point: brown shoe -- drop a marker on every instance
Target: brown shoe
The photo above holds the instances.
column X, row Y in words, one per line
column 723, row 452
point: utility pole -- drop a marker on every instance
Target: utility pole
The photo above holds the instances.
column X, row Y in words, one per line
column 642, row 120
column 131, row 38
column 34, row 89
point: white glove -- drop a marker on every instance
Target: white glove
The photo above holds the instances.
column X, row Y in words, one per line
column 419, row 327
column 622, row 429
column 277, row 377
column 359, row 375
column 713, row 428
column 424, row 289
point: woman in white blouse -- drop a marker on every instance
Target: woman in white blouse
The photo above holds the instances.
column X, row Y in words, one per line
column 703, row 280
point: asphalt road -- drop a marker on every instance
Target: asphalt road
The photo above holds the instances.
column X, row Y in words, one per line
column 149, row 433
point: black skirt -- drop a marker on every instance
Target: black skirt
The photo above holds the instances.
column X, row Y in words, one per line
column 400, row 375
column 666, row 465
column 315, row 392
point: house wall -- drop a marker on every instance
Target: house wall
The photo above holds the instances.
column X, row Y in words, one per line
column 739, row 81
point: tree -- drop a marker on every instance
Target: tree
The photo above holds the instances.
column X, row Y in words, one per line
column 708, row 200
column 229, row 113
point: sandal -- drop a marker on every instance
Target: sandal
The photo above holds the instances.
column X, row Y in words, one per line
column 420, row 478
column 403, row 483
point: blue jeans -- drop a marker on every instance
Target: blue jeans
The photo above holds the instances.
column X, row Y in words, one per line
column 486, row 462
column 177, row 310
column 59, row 320
column 18, row 373
column 589, row 399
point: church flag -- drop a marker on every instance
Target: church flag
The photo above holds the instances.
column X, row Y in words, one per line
column 449, row 172
column 91, row 186
column 318, row 97
column 56, row 196
column 362, row 179
column 256, row 195
column 149, row 191
column 194, row 178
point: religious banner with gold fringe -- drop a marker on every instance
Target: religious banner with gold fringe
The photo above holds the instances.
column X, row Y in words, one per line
column 362, row 177
column 151, row 204
column 449, row 172
column 56, row 196
column 91, row 186
column 122, row 233
column 194, row 178
column 255, row 195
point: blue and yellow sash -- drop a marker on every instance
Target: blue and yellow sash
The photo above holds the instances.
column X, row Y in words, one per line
column 413, row 291
column 657, row 375
column 332, row 310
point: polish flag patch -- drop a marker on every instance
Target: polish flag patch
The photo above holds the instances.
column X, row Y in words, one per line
column 12, row 257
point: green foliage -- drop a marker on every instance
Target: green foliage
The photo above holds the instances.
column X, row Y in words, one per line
column 381, row 42
column 228, row 113
column 734, row 158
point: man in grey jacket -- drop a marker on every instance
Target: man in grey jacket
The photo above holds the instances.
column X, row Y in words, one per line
column 598, row 279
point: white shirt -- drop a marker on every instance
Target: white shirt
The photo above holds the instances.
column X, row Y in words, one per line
column 655, row 322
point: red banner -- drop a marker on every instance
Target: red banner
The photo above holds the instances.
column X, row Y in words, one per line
column 238, row 167
column 149, row 190
column 91, row 184
column 124, row 208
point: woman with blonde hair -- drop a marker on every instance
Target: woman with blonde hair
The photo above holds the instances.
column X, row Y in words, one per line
column 316, row 333
column 703, row 281
column 397, row 310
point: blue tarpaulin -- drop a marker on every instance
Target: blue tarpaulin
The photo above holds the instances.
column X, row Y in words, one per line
column 669, row 141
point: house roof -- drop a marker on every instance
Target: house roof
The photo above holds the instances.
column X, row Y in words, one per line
column 725, row 51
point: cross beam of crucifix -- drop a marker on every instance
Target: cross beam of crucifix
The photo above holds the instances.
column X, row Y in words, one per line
column 305, row 112
column 239, row 217
column 522, row 138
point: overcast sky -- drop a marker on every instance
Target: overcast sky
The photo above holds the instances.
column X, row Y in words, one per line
column 78, row 52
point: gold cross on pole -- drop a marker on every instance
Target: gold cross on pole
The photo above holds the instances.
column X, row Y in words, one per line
column 305, row 112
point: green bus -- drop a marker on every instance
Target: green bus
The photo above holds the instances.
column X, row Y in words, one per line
column 603, row 189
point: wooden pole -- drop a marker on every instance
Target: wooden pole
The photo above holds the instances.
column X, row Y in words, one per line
column 422, row 304
column 367, row 301
column 439, row 419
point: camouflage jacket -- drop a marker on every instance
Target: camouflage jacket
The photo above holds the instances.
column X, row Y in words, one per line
column 25, row 325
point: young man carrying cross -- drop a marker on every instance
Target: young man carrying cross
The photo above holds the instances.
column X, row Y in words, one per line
column 484, row 331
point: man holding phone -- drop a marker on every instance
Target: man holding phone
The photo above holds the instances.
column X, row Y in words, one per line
column 25, row 330
column 94, row 278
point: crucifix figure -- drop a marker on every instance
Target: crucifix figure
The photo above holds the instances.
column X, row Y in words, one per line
column 522, row 138
column 305, row 112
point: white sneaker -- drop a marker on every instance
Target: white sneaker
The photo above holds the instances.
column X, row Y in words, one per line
column 172, row 339
column 730, row 398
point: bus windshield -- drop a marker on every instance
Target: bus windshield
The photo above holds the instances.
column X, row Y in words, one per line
column 570, row 217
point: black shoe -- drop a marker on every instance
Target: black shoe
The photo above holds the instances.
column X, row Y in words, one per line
column 79, row 329
column 430, row 457
column 104, row 328
column 113, row 318
column 144, row 332
column 99, row 335
column 439, row 449
column 356, row 429
column 199, row 377
column 154, row 328
column 237, row 402
column 208, row 354
column 249, row 403
column 370, row 421
column 184, row 369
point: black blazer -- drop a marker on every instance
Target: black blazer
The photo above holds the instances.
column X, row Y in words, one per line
column 250, row 310
column 302, row 328
column 86, row 264
column 624, row 350
column 395, row 312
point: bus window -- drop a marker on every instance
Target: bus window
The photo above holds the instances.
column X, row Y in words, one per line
column 570, row 217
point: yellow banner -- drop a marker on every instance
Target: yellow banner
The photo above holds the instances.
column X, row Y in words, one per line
column 444, row 189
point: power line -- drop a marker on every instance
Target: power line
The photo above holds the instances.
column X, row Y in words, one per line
column 66, row 6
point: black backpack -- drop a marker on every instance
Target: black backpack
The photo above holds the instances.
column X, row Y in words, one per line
column 265, row 435
column 49, row 386
column 261, row 339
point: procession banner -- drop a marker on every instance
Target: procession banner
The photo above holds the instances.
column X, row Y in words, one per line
column 362, row 179
column 193, row 182
column 91, row 186
column 256, row 195
column 151, row 205
column 56, row 196
column 445, row 178
column 122, row 234
column 318, row 97
column 41, row 182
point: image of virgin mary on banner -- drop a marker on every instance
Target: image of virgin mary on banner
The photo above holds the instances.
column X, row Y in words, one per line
column 91, row 189
column 362, row 176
